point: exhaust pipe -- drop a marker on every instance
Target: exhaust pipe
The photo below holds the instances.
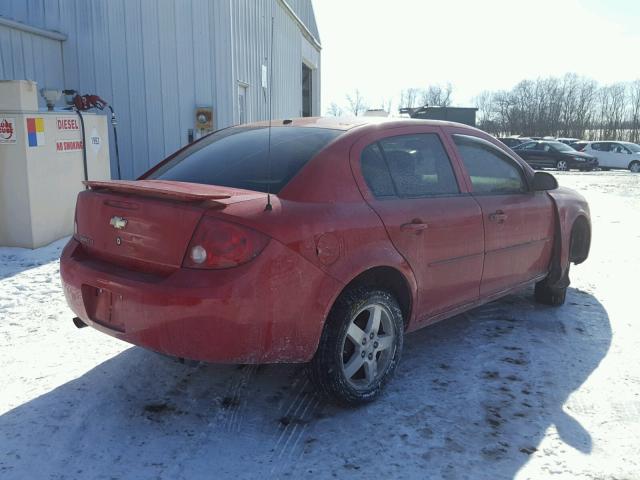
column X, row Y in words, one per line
column 79, row 323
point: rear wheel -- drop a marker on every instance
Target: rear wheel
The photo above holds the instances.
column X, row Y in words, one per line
column 562, row 165
column 360, row 346
column 634, row 166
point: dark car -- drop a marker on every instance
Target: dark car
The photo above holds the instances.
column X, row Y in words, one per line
column 553, row 154
column 568, row 141
column 579, row 145
column 512, row 142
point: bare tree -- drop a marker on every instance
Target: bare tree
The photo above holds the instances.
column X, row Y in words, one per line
column 584, row 108
column 386, row 105
column 437, row 96
column 357, row 103
column 570, row 105
column 611, row 109
column 488, row 118
column 634, row 111
column 334, row 110
column 408, row 98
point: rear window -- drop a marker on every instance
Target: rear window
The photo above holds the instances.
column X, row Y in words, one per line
column 238, row 157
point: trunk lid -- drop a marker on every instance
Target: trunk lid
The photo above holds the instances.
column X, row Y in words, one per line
column 146, row 225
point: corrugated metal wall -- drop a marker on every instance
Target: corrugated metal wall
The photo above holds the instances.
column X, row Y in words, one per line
column 304, row 10
column 30, row 56
column 251, row 36
column 156, row 60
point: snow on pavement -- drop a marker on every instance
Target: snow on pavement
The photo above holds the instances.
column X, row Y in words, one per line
column 511, row 389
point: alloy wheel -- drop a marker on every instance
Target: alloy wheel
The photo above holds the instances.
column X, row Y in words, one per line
column 562, row 165
column 635, row 167
column 368, row 346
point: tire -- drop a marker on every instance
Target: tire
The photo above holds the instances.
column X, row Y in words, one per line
column 354, row 361
column 549, row 296
column 554, row 296
column 562, row 165
column 634, row 166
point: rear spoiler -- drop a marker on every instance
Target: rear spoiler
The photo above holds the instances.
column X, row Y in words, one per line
column 183, row 191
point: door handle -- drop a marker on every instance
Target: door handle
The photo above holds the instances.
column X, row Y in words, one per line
column 416, row 226
column 498, row 216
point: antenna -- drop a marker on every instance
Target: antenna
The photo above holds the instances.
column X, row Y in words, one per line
column 268, row 206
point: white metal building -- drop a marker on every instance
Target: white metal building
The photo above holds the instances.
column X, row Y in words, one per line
column 156, row 61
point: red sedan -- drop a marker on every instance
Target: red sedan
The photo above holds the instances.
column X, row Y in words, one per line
column 322, row 241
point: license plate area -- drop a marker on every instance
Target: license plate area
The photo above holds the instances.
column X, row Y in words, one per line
column 101, row 306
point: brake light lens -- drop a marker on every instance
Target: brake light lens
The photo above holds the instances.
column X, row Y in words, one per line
column 220, row 244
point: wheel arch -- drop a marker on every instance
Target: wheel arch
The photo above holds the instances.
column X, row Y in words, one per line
column 388, row 278
column 580, row 240
column 571, row 216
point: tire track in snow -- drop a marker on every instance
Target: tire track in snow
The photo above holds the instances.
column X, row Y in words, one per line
column 233, row 403
column 297, row 418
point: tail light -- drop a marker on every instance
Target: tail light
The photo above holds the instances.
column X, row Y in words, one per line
column 220, row 244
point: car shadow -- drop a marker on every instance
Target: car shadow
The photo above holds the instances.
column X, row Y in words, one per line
column 472, row 398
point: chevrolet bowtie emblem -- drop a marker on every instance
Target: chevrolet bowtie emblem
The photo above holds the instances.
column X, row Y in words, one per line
column 118, row 222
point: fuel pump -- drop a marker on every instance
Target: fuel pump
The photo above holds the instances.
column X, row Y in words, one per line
column 82, row 103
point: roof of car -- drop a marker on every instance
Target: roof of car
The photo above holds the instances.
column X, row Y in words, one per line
column 347, row 123
column 606, row 141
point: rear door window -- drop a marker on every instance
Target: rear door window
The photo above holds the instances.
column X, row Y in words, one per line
column 529, row 146
column 239, row 157
column 601, row 146
column 617, row 148
column 375, row 172
column 491, row 171
column 408, row 166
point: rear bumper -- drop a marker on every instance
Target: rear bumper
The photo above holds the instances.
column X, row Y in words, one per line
column 269, row 310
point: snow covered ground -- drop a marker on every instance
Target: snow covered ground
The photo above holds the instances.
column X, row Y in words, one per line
column 512, row 389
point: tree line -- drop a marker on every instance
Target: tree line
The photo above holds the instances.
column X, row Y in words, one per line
column 433, row 95
column 569, row 106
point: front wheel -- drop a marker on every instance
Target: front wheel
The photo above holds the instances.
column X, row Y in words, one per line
column 562, row 165
column 634, row 167
column 549, row 296
column 360, row 346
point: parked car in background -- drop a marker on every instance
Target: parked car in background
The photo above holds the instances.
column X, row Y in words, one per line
column 514, row 141
column 324, row 248
column 552, row 154
column 579, row 145
column 568, row 141
column 619, row 155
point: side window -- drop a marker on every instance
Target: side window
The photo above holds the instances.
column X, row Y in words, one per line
column 604, row 147
column 376, row 172
column 419, row 165
column 617, row 148
column 491, row 171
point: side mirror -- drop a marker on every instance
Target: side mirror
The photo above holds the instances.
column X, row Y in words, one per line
column 544, row 181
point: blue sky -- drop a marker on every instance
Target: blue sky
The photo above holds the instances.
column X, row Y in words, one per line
column 382, row 46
